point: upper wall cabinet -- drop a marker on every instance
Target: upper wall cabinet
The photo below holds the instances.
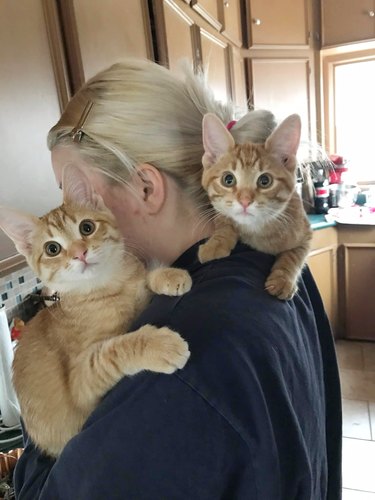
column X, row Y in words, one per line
column 283, row 86
column 277, row 23
column 98, row 35
column 230, row 19
column 30, row 106
column 346, row 21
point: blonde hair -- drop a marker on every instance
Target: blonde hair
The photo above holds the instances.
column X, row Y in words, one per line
column 142, row 113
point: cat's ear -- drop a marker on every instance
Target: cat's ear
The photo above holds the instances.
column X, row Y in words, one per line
column 217, row 140
column 77, row 189
column 284, row 140
column 19, row 226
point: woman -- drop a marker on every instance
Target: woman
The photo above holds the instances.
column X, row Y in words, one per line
column 255, row 414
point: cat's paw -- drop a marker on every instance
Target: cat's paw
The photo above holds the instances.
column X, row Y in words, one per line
column 212, row 250
column 165, row 351
column 169, row 281
column 281, row 285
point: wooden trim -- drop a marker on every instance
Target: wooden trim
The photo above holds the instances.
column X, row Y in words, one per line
column 72, row 46
column 197, row 47
column 249, row 82
column 160, row 32
column 329, row 248
column 57, row 50
column 147, row 29
column 12, row 264
column 206, row 15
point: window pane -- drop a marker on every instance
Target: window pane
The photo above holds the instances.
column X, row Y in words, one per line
column 355, row 117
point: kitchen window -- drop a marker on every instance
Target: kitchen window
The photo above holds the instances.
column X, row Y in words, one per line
column 349, row 108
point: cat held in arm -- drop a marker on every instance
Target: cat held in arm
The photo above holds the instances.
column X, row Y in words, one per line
column 252, row 188
column 72, row 353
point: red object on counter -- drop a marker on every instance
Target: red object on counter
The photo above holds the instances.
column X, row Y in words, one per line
column 336, row 159
column 338, row 169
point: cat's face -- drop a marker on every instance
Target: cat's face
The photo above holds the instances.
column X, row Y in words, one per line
column 250, row 185
column 76, row 249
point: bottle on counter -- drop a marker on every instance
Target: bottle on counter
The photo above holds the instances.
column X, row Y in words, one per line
column 321, row 199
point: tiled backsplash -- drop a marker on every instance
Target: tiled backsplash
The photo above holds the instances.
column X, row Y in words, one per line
column 14, row 287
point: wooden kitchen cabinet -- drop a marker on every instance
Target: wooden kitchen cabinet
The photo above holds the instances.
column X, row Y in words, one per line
column 230, row 19
column 98, row 35
column 277, row 23
column 356, row 267
column 216, row 62
column 284, row 86
column 323, row 265
column 346, row 21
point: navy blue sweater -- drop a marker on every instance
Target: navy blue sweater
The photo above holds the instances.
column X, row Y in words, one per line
column 254, row 415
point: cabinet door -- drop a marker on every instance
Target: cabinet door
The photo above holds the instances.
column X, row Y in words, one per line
column 345, row 21
column 283, row 86
column 99, row 33
column 29, row 105
column 215, row 60
column 357, row 284
column 322, row 263
column 277, row 22
column 230, row 18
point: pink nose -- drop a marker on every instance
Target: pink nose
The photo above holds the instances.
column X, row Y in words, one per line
column 245, row 202
column 80, row 255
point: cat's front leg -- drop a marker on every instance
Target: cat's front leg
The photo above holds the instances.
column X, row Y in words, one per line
column 221, row 243
column 282, row 281
column 169, row 281
column 97, row 370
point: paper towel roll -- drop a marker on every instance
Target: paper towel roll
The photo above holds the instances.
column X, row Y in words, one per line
column 9, row 406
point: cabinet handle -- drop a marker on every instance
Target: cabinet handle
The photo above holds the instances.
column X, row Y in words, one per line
column 226, row 4
column 256, row 21
column 371, row 13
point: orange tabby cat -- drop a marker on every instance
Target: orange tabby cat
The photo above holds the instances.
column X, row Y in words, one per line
column 73, row 352
column 252, row 186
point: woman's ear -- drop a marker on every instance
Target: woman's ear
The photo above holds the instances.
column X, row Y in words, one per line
column 150, row 186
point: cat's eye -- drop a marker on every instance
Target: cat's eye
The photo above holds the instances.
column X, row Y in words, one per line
column 228, row 179
column 87, row 227
column 265, row 181
column 52, row 248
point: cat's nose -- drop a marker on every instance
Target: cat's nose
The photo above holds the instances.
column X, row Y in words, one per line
column 245, row 202
column 80, row 255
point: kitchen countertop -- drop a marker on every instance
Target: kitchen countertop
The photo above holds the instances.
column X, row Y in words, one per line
column 318, row 221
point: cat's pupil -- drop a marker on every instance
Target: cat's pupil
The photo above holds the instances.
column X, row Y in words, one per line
column 228, row 179
column 264, row 180
column 86, row 227
column 52, row 248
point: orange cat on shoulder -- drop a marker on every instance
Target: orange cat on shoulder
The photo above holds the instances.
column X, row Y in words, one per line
column 72, row 353
column 252, row 187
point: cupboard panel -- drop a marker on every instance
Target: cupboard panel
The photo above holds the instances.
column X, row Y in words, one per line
column 215, row 61
column 278, row 22
column 346, row 21
column 357, row 272
column 283, row 86
column 106, row 34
